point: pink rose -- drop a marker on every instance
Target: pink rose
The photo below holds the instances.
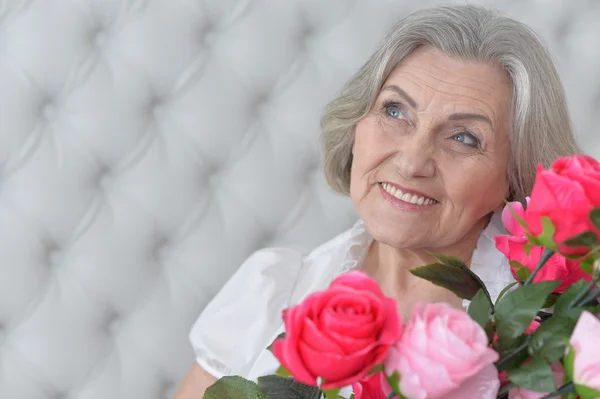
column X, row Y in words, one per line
column 441, row 348
column 584, row 342
column 556, row 268
column 374, row 386
column 566, row 194
column 339, row 334
column 521, row 393
column 509, row 221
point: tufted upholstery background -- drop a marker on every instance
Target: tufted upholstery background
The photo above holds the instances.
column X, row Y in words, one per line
column 147, row 147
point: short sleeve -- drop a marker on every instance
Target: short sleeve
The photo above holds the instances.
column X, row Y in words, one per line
column 238, row 323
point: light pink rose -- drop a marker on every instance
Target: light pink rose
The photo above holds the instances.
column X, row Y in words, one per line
column 441, row 349
column 584, row 341
column 520, row 393
column 483, row 385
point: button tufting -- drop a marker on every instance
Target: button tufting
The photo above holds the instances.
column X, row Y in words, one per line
column 49, row 110
column 208, row 35
column 100, row 38
column 162, row 251
column 167, row 389
column 55, row 257
column 113, row 323
column 214, row 175
column 260, row 104
column 156, row 107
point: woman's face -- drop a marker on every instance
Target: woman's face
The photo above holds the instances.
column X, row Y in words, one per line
column 430, row 160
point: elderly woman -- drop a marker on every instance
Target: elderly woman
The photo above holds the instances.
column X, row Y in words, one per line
column 443, row 124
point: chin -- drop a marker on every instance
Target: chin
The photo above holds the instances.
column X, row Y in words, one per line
column 390, row 232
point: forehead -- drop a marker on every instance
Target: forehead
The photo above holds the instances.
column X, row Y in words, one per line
column 432, row 78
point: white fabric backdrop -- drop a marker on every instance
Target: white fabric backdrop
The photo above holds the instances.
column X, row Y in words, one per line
column 147, row 147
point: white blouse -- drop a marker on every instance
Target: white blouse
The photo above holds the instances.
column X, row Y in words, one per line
column 232, row 333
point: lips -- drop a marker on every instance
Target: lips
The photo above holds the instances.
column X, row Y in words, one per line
column 407, row 196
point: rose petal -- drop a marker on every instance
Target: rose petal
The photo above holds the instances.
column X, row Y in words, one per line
column 341, row 370
column 586, row 368
column 483, row 385
column 509, row 221
column 358, row 281
column 319, row 340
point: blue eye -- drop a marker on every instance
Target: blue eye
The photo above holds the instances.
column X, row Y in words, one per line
column 466, row 138
column 393, row 111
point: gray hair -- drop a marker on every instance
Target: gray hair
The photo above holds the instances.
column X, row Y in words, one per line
column 540, row 129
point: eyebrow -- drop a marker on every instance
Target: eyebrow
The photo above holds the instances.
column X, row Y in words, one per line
column 453, row 117
column 456, row 117
column 402, row 94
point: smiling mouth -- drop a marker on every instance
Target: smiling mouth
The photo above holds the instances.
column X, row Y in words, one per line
column 407, row 197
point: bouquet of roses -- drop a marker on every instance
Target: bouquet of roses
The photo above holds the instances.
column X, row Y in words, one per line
column 537, row 340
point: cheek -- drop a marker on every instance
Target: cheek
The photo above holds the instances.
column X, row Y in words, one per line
column 371, row 148
column 482, row 191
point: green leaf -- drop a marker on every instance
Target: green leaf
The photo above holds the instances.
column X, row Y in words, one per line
column 376, row 369
column 234, row 387
column 449, row 260
column 586, row 392
column 516, row 311
column 535, row 376
column 512, row 354
column 523, row 273
column 480, row 309
column 587, row 265
column 275, row 387
column 586, row 239
column 569, row 361
column 546, row 238
column 394, row 382
column 458, row 279
column 550, row 301
column 550, row 339
column 331, row 393
column 280, row 336
column 504, row 291
column 595, row 217
column 521, row 270
column 283, row 372
column 563, row 303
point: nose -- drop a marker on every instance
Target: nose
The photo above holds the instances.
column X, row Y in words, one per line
column 415, row 156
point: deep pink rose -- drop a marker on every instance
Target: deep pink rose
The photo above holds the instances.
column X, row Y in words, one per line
column 566, row 194
column 556, row 268
column 441, row 349
column 584, row 342
column 339, row 334
column 374, row 386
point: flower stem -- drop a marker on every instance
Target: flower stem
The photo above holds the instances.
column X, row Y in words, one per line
column 506, row 388
column 567, row 388
column 590, row 298
column 583, row 294
column 500, row 364
column 545, row 256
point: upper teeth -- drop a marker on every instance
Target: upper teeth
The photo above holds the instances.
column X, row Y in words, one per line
column 407, row 197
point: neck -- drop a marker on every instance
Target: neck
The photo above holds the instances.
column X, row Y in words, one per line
column 391, row 268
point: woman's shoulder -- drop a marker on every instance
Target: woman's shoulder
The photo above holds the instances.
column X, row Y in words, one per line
column 252, row 300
